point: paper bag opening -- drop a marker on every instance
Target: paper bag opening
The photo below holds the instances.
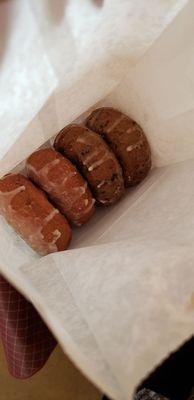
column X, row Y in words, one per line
column 118, row 302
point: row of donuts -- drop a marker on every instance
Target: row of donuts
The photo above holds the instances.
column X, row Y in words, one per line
column 97, row 159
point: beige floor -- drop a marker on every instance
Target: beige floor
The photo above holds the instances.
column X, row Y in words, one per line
column 58, row 380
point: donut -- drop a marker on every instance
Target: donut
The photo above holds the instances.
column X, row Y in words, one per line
column 60, row 179
column 27, row 209
column 95, row 160
column 127, row 140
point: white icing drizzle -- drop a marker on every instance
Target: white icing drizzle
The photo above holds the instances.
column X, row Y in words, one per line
column 81, row 189
column 95, row 153
column 96, row 164
column 81, row 139
column 103, row 201
column 89, row 207
column 92, row 202
column 137, row 129
column 13, row 192
column 134, row 146
column 44, row 170
column 70, row 175
column 56, row 235
column 7, row 197
column 35, row 238
column 101, row 184
column 131, row 147
column 88, row 160
column 48, row 185
column 31, row 168
column 86, row 211
column 77, row 194
column 51, row 215
column 65, row 179
column 63, row 189
column 117, row 122
column 117, row 190
column 132, row 129
column 36, row 241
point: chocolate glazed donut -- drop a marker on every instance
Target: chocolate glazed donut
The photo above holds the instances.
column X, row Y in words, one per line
column 95, row 159
column 127, row 140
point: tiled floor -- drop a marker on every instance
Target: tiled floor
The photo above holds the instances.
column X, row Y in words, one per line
column 58, row 380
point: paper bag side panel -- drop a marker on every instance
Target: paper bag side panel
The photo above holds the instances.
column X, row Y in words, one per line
column 159, row 92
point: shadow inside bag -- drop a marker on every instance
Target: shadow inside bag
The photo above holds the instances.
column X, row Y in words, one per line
column 173, row 379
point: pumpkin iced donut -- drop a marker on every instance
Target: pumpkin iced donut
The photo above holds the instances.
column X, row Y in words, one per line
column 60, row 179
column 27, row 209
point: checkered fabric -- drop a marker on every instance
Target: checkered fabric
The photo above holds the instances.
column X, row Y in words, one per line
column 26, row 339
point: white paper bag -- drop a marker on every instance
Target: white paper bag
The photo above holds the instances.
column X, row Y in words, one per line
column 121, row 298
